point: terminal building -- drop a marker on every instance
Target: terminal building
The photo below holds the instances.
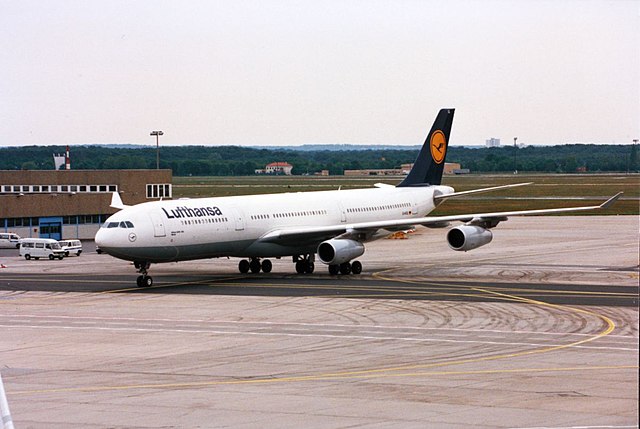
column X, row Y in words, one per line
column 72, row 203
column 449, row 168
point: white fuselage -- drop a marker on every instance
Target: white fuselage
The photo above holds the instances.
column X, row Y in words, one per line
column 175, row 230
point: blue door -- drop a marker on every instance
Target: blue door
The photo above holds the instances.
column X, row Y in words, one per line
column 51, row 227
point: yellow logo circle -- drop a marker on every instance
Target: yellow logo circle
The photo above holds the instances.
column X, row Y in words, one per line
column 438, row 146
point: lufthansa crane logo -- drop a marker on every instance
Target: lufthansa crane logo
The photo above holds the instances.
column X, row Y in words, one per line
column 438, row 145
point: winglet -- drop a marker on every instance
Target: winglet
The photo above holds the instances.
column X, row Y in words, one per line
column 116, row 201
column 610, row 201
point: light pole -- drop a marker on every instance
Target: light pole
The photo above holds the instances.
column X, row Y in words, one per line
column 157, row 134
column 515, row 155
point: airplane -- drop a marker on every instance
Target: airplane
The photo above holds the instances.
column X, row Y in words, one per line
column 334, row 225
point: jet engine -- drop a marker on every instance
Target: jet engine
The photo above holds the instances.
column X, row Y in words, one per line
column 337, row 251
column 468, row 237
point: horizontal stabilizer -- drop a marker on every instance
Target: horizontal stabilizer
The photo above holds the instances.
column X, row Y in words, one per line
column 478, row 191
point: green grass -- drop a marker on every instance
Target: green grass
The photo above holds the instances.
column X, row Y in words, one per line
column 546, row 192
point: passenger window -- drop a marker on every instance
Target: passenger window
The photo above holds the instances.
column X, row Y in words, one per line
column 129, row 224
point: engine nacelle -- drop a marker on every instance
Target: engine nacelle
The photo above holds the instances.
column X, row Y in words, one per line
column 337, row 251
column 468, row 237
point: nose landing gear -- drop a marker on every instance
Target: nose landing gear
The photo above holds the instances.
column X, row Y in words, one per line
column 143, row 279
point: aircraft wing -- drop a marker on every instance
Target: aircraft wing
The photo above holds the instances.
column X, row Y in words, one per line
column 363, row 231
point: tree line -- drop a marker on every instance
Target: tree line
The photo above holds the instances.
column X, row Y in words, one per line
column 242, row 161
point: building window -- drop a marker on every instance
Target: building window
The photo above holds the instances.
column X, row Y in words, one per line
column 161, row 190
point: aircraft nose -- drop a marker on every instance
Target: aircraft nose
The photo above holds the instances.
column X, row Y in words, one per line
column 102, row 238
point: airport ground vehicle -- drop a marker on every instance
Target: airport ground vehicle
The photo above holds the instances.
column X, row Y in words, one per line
column 71, row 247
column 9, row 240
column 37, row 248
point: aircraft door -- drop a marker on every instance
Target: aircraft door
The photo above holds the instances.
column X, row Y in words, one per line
column 239, row 219
column 343, row 212
column 158, row 225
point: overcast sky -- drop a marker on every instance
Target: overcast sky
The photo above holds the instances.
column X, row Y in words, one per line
column 302, row 72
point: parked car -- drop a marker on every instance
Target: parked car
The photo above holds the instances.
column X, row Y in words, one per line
column 71, row 247
column 37, row 248
column 9, row 240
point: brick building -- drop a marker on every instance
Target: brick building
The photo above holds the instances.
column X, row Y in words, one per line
column 72, row 203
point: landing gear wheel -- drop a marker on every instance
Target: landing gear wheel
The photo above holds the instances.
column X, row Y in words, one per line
column 266, row 266
column 356, row 267
column 254, row 266
column 334, row 269
column 144, row 281
column 309, row 267
column 345, row 268
column 244, row 266
column 300, row 267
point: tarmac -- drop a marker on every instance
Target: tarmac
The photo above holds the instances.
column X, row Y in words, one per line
column 537, row 329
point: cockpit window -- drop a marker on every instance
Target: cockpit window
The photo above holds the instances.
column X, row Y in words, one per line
column 121, row 224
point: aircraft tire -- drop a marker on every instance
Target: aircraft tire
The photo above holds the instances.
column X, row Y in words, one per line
column 300, row 267
column 144, row 281
column 266, row 266
column 345, row 268
column 356, row 267
column 334, row 269
column 254, row 266
column 309, row 267
column 244, row 266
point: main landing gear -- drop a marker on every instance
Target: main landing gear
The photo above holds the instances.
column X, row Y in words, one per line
column 304, row 264
column 345, row 268
column 255, row 266
column 143, row 279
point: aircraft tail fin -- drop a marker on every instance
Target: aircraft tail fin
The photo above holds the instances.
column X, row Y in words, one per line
column 116, row 202
column 428, row 167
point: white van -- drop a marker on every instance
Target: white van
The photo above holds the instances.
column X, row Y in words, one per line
column 71, row 247
column 9, row 240
column 37, row 248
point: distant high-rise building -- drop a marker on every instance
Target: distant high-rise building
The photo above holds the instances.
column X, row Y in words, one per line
column 492, row 142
